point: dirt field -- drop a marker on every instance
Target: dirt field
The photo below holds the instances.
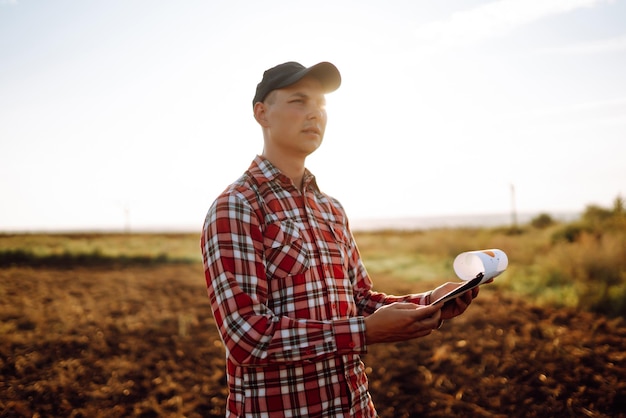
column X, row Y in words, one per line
column 141, row 342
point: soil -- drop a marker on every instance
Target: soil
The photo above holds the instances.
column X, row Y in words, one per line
column 141, row 342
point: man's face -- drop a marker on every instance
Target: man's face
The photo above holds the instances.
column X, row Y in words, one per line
column 295, row 118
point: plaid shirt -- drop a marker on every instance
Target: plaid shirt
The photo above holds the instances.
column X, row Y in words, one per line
column 289, row 294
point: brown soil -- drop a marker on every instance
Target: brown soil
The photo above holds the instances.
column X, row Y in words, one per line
column 142, row 342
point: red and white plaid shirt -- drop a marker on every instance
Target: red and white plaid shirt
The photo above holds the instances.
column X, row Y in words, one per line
column 289, row 294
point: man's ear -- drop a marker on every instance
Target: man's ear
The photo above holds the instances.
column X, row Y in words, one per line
column 260, row 113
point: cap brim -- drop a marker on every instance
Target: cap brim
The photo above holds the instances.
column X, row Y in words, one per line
column 325, row 72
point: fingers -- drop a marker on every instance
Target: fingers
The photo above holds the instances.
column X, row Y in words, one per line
column 425, row 322
column 400, row 322
column 402, row 305
column 432, row 322
column 412, row 310
column 423, row 327
column 465, row 299
column 458, row 305
column 417, row 317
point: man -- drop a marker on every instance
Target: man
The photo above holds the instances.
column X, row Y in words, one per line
column 291, row 298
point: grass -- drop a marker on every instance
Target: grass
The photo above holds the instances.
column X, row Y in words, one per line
column 580, row 264
column 63, row 250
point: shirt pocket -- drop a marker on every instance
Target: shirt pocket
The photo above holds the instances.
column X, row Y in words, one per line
column 342, row 241
column 285, row 251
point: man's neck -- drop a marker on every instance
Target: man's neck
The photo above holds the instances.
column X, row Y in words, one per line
column 289, row 166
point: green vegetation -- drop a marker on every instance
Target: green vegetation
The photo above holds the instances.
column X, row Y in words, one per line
column 69, row 250
column 581, row 264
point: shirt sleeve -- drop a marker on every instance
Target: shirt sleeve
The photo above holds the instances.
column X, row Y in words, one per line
column 235, row 272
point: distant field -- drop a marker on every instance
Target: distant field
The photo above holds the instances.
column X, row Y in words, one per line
column 173, row 246
column 581, row 265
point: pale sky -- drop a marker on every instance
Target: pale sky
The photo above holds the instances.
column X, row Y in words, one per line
column 140, row 111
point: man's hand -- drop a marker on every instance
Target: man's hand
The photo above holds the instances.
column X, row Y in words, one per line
column 454, row 307
column 400, row 322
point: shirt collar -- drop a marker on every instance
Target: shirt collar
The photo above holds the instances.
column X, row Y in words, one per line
column 262, row 169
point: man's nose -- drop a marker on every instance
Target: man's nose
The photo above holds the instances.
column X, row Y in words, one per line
column 316, row 112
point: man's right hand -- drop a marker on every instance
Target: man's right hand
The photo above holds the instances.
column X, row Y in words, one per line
column 400, row 322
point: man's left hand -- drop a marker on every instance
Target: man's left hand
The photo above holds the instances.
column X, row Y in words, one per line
column 457, row 306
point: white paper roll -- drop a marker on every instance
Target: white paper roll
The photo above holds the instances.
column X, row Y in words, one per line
column 490, row 263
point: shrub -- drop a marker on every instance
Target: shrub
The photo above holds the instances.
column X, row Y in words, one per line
column 595, row 265
column 542, row 221
column 570, row 232
column 596, row 215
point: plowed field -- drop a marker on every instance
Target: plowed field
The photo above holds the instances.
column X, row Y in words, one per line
column 140, row 341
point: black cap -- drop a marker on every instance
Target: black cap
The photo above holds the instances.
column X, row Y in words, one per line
column 289, row 73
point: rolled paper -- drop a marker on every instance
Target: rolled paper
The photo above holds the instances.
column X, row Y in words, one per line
column 490, row 263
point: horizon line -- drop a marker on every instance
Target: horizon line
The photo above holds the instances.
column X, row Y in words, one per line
column 356, row 224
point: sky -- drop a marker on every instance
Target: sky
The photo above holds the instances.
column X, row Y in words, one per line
column 136, row 114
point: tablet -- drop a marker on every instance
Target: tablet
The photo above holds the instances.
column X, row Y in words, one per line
column 468, row 285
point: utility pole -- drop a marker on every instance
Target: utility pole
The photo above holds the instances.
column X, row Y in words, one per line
column 127, row 217
column 513, row 208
